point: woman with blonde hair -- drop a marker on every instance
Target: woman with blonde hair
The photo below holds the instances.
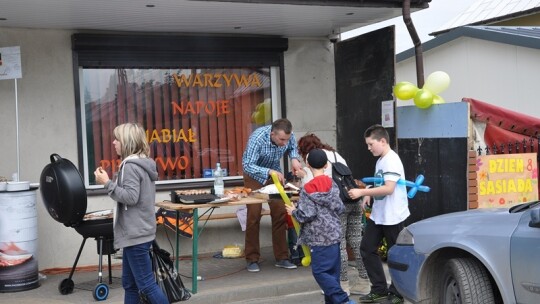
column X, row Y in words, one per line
column 134, row 190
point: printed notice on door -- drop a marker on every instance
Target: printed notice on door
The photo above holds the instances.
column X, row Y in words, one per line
column 387, row 110
column 10, row 63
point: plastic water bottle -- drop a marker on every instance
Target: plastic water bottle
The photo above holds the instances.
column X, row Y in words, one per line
column 218, row 181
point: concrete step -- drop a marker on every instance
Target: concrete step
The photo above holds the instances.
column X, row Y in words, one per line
column 227, row 280
column 223, row 281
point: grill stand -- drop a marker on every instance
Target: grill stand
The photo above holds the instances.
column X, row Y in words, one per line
column 101, row 291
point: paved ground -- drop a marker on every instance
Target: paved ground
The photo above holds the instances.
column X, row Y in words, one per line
column 224, row 281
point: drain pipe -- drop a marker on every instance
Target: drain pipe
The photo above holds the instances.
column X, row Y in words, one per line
column 417, row 43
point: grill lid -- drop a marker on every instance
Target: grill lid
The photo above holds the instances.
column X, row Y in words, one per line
column 63, row 192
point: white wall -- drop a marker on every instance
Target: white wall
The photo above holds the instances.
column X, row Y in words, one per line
column 47, row 125
column 500, row 74
column 311, row 88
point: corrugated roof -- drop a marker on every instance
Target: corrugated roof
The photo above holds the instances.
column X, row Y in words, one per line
column 515, row 35
column 484, row 12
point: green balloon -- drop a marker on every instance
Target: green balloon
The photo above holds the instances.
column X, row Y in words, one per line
column 423, row 99
column 259, row 118
column 438, row 99
column 254, row 117
column 267, row 111
column 405, row 90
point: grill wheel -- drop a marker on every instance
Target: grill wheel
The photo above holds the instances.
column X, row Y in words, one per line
column 66, row 286
column 101, row 292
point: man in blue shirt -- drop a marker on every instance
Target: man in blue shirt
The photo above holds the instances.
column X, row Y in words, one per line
column 265, row 148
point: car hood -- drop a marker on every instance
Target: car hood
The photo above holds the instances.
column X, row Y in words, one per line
column 464, row 229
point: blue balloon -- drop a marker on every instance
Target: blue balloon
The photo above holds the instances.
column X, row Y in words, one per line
column 412, row 192
column 370, row 180
column 415, row 187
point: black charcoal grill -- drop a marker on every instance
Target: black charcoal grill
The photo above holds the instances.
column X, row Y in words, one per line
column 64, row 195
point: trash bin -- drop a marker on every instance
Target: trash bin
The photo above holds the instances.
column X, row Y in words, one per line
column 18, row 240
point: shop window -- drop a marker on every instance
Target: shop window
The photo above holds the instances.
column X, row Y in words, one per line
column 194, row 116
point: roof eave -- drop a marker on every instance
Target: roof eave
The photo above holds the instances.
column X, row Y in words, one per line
column 483, row 33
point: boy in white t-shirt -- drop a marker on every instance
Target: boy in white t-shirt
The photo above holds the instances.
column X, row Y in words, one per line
column 389, row 210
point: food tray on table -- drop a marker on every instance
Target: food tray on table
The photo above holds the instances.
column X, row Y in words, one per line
column 200, row 199
column 196, row 197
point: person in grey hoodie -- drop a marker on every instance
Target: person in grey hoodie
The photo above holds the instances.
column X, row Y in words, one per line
column 134, row 191
column 318, row 211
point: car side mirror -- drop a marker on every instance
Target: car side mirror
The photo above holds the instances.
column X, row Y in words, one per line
column 535, row 218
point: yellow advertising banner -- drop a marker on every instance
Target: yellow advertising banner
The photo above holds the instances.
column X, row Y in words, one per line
column 505, row 180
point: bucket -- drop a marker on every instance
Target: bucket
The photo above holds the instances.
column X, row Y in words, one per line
column 18, row 241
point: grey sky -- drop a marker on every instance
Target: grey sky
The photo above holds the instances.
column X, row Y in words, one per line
column 426, row 21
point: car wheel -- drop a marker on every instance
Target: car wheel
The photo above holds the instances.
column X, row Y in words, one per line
column 466, row 281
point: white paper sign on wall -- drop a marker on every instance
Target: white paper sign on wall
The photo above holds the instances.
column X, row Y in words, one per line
column 387, row 111
column 10, row 63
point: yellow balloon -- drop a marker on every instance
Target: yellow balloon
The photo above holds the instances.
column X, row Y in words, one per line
column 267, row 110
column 405, row 90
column 259, row 118
column 423, row 99
column 437, row 82
column 254, row 117
column 437, row 99
column 263, row 112
column 267, row 105
column 306, row 261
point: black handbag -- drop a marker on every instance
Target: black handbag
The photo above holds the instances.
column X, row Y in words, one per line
column 166, row 276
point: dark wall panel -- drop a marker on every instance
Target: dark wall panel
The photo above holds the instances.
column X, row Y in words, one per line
column 364, row 78
column 443, row 162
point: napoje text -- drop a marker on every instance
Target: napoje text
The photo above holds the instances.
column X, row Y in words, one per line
column 219, row 107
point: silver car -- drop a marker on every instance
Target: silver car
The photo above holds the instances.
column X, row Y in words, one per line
column 476, row 256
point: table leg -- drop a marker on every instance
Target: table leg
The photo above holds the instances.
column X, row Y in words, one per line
column 177, row 242
column 195, row 255
column 195, row 258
